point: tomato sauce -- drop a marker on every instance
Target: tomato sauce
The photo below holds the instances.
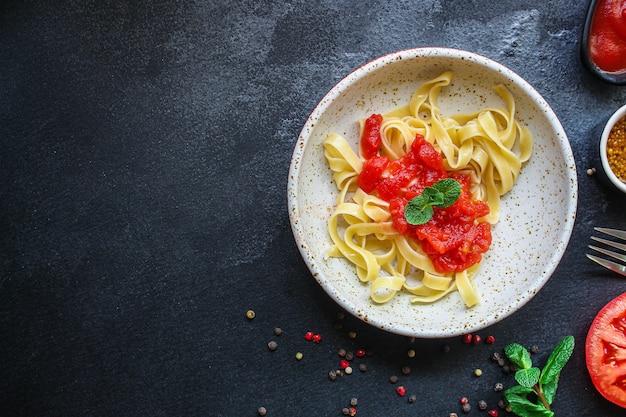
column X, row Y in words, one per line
column 607, row 36
column 453, row 238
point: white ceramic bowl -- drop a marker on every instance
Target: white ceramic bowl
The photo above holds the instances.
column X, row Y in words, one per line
column 620, row 185
column 537, row 216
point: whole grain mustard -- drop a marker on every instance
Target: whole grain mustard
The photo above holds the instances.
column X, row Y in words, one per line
column 616, row 149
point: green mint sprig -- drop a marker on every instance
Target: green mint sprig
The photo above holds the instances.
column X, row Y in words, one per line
column 441, row 194
column 532, row 380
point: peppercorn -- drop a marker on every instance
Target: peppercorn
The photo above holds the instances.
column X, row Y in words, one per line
column 360, row 353
column 278, row 331
column 482, row 405
column 342, row 353
column 332, row 375
column 411, row 353
column 352, row 335
column 412, row 399
column 349, row 355
column 490, row 340
column 401, row 391
column 463, row 400
column 453, row 415
column 534, row 349
column 467, row 338
column 362, row 367
column 466, row 408
column 272, row 345
column 495, row 356
column 299, row 356
column 352, row 412
column 406, row 370
column 498, row 387
column 261, row 411
column 250, row 314
column 345, row 411
column 353, row 402
column 348, row 370
column 478, row 372
column 343, row 364
column 493, row 413
column 308, row 336
column 393, row 379
column 317, row 338
column 476, row 339
column 616, row 149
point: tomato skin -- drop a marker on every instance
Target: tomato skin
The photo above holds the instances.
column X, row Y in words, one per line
column 605, row 351
column 371, row 138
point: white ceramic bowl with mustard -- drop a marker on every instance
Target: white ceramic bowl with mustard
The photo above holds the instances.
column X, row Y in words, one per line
column 613, row 143
column 537, row 215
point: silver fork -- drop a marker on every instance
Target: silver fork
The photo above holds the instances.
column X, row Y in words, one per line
column 620, row 268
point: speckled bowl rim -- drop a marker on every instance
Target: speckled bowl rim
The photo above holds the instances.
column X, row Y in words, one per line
column 620, row 185
column 570, row 183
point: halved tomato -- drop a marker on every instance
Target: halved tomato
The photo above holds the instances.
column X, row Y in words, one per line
column 605, row 351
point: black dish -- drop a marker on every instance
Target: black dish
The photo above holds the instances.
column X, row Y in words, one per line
column 612, row 78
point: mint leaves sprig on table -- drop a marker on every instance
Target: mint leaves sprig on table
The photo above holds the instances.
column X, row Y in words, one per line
column 441, row 194
column 532, row 380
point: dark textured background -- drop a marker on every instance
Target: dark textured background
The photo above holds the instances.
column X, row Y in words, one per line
column 144, row 151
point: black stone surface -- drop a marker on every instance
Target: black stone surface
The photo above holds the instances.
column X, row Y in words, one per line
column 144, row 149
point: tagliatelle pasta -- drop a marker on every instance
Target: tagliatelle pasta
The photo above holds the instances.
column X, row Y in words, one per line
column 489, row 146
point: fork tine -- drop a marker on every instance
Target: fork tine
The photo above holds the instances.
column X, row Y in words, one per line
column 618, row 256
column 621, row 234
column 613, row 266
column 607, row 242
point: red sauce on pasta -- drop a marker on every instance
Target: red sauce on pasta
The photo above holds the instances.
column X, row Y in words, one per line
column 453, row 238
column 607, row 36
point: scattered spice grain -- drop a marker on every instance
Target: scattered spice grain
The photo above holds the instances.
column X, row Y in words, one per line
column 299, row 356
column 482, row 405
column 332, row 375
column 250, row 314
column 362, row 367
column 348, row 370
column 412, row 399
column 272, row 345
column 478, row 372
column 406, row 370
column 466, row 408
column 353, row 402
column 261, row 411
column 498, row 387
column 278, row 331
column 411, row 353
column 393, row 379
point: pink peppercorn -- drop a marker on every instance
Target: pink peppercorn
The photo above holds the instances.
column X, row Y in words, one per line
column 401, row 391
column 343, row 364
column 490, row 340
column 360, row 353
column 476, row 339
column 467, row 338
column 317, row 338
column 463, row 400
column 308, row 336
column 492, row 413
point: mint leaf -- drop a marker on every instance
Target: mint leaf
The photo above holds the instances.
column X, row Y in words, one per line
column 418, row 210
column 433, row 196
column 522, row 406
column 518, row 355
column 516, row 398
column 528, row 377
column 550, row 375
column 441, row 194
column 451, row 190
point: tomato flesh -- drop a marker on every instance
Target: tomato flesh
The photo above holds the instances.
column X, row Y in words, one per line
column 605, row 351
column 454, row 238
column 371, row 138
